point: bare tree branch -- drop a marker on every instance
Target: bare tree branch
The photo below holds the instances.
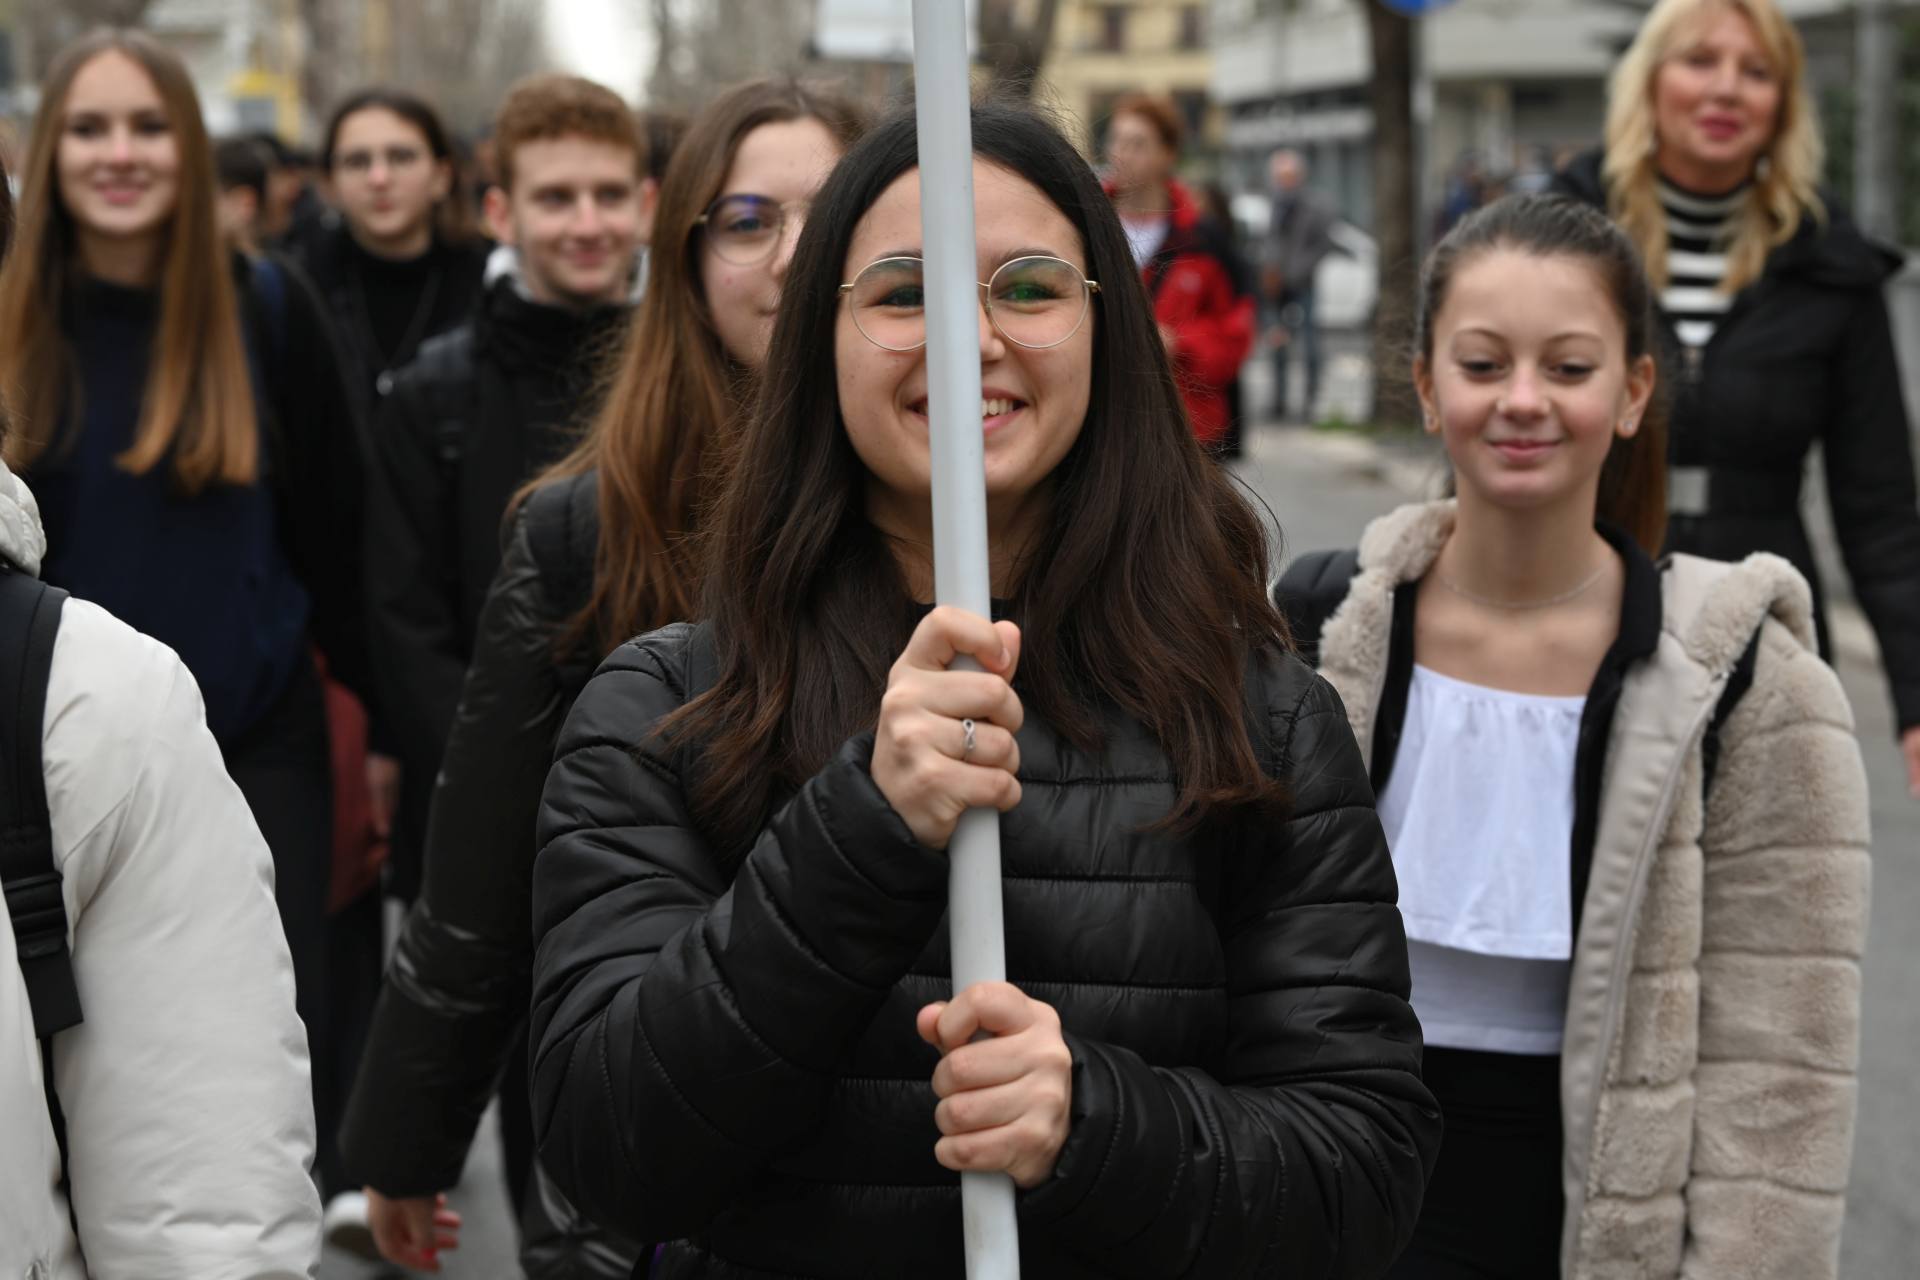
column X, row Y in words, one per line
column 703, row 46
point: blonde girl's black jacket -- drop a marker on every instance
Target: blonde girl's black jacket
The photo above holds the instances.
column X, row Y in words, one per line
column 1805, row 355
column 726, row 1060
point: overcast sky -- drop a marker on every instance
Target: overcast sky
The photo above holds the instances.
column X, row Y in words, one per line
column 604, row 40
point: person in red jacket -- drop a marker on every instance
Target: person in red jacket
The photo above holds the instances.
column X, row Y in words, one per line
column 1201, row 295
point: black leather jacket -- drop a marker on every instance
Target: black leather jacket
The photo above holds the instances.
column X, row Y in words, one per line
column 1804, row 355
column 729, row 1062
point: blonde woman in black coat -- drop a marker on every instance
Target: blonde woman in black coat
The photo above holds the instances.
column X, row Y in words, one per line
column 1775, row 315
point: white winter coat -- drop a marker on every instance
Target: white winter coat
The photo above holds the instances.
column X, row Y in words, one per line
column 189, row 1117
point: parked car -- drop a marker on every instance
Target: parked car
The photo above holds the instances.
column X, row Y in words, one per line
column 1347, row 285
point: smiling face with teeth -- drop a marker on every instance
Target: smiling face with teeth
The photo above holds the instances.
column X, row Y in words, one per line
column 1032, row 402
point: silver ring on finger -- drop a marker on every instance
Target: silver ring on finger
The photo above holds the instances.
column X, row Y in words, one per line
column 967, row 743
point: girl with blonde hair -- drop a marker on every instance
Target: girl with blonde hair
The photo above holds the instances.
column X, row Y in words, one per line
column 1772, row 313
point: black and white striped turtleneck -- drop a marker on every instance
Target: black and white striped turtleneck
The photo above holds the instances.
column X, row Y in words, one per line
column 1699, row 231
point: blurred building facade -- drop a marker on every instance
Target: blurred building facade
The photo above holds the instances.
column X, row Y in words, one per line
column 1505, row 80
column 1103, row 51
column 1506, row 87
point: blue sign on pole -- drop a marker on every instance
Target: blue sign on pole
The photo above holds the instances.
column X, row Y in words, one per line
column 1415, row 8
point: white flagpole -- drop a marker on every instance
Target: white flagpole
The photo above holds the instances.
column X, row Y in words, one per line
column 943, row 94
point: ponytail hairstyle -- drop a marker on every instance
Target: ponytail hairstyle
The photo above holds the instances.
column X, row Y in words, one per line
column 197, row 412
column 1633, row 480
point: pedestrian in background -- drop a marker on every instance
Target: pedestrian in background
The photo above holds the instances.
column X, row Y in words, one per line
column 1201, row 302
column 1217, row 206
column 1773, row 307
column 294, row 210
column 601, row 549
column 397, row 262
column 181, row 413
column 1627, row 811
column 241, row 167
column 1299, row 237
column 747, row 1042
column 400, row 260
column 478, row 412
column 662, row 131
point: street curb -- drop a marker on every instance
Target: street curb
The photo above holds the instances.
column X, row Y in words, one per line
column 1403, row 470
column 1420, row 479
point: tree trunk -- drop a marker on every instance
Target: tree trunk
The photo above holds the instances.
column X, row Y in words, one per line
column 1015, row 51
column 1390, row 95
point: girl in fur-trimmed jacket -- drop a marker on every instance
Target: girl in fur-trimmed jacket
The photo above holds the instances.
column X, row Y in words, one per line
column 1626, row 807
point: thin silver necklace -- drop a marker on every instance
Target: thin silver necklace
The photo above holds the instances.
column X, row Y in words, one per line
column 1522, row 606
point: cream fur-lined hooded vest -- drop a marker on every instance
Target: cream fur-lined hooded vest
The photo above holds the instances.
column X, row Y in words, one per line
column 1708, row 1072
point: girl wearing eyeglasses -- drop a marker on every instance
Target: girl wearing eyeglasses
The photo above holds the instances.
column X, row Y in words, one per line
column 401, row 261
column 746, row 1045
column 602, row 548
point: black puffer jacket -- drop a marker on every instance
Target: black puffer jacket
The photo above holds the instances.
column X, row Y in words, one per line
column 1804, row 355
column 456, row 991
column 730, row 1062
column 481, row 409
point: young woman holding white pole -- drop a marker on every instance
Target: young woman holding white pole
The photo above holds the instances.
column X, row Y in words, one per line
column 747, row 1044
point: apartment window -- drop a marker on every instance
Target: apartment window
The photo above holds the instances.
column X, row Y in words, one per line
column 1193, row 29
column 1113, row 28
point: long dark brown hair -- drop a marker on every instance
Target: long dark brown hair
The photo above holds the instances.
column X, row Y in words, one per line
column 1145, row 592
column 453, row 221
column 673, row 390
column 196, row 411
column 1633, row 480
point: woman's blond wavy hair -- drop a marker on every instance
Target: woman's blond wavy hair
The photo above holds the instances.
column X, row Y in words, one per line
column 1785, row 187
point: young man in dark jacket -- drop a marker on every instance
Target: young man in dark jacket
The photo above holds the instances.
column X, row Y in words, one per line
column 487, row 405
column 480, row 411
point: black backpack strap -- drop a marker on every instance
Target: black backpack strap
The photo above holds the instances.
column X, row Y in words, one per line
column 29, row 621
column 1738, row 682
column 1309, row 592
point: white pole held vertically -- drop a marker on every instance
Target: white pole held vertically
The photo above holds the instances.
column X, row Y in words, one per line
column 943, row 97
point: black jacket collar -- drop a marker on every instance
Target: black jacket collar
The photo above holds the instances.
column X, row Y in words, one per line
column 1835, row 253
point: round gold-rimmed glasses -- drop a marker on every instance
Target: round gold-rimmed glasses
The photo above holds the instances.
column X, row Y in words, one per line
column 743, row 229
column 1035, row 302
